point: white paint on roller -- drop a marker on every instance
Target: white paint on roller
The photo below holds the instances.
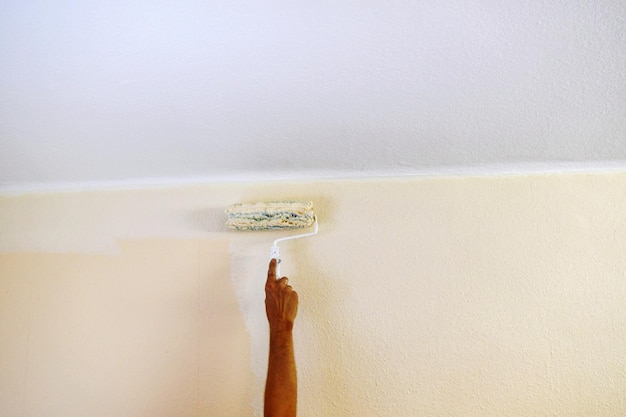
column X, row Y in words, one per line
column 270, row 215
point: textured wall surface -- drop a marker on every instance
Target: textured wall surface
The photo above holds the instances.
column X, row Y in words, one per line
column 443, row 297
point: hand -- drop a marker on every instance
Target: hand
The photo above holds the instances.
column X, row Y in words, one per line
column 281, row 301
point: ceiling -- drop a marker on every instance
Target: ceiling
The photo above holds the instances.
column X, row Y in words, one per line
column 119, row 92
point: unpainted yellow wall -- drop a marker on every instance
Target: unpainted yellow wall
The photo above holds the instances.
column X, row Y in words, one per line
column 449, row 297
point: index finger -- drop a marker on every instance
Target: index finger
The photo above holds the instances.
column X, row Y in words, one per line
column 271, row 272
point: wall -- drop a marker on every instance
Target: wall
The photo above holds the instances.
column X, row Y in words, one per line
column 435, row 297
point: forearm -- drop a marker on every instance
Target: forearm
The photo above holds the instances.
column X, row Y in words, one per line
column 281, row 386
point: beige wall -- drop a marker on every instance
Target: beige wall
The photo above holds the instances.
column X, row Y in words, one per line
column 434, row 297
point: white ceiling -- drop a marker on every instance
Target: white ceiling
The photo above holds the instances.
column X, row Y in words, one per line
column 121, row 91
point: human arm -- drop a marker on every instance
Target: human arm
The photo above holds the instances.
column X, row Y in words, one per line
column 281, row 306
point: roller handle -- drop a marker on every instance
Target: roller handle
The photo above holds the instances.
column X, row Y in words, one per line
column 275, row 254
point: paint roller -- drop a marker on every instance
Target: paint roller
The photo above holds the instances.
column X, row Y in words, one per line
column 275, row 215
